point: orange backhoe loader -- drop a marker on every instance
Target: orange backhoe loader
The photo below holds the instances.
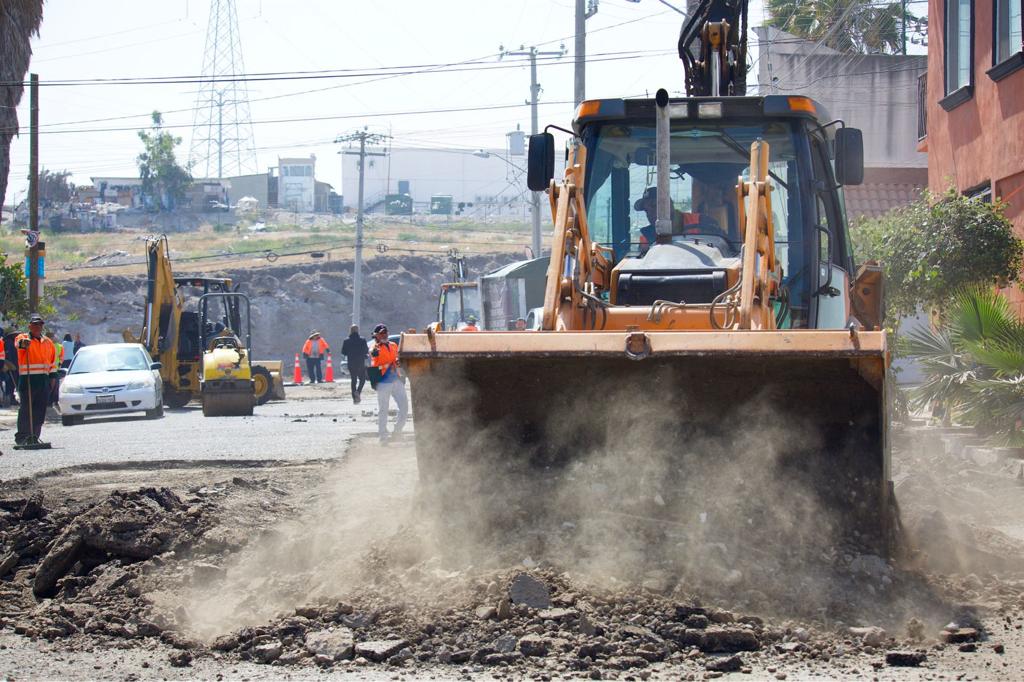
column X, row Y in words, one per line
column 710, row 353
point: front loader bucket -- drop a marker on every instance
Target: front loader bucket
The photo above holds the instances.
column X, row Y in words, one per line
column 759, row 436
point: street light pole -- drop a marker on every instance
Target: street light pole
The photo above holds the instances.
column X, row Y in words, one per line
column 535, row 89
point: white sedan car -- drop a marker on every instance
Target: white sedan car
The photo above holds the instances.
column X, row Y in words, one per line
column 110, row 378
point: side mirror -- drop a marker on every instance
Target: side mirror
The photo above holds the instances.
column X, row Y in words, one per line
column 156, row 365
column 63, row 371
column 541, row 162
column 849, row 156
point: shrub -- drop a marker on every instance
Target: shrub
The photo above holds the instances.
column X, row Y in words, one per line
column 936, row 247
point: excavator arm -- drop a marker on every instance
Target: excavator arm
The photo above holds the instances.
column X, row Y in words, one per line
column 713, row 47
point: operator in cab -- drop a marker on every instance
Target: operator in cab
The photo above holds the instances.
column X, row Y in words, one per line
column 713, row 202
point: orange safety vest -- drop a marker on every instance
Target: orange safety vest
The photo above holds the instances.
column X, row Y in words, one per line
column 307, row 348
column 387, row 355
column 39, row 358
column 470, row 328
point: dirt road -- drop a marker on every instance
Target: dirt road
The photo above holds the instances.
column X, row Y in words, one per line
column 268, row 548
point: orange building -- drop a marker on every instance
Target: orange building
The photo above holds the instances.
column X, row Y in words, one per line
column 971, row 107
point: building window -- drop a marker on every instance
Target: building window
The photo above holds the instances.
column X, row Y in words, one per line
column 959, row 29
column 959, row 34
column 982, row 192
column 1008, row 29
column 1007, row 39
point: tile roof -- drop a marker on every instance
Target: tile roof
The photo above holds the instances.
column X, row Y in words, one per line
column 884, row 190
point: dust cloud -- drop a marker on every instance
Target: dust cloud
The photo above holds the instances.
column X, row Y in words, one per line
column 625, row 485
column 318, row 554
column 626, row 490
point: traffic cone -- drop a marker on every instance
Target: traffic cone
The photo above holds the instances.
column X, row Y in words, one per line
column 329, row 378
column 297, row 376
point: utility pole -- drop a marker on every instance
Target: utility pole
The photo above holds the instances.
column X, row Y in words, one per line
column 535, row 89
column 584, row 10
column 35, row 248
column 363, row 138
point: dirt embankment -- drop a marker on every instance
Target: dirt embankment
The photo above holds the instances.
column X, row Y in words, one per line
column 288, row 301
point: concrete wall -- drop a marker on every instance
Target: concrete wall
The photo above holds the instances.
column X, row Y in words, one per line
column 980, row 141
column 249, row 186
column 876, row 93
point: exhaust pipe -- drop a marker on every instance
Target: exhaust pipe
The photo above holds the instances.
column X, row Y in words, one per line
column 663, row 142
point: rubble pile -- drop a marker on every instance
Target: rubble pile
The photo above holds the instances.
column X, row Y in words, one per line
column 114, row 573
column 73, row 570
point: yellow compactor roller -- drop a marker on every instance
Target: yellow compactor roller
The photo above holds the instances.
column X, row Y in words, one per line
column 708, row 343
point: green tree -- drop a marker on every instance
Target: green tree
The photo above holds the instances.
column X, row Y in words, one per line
column 164, row 181
column 936, row 247
column 13, row 290
column 14, row 293
column 54, row 187
column 858, row 26
column 19, row 21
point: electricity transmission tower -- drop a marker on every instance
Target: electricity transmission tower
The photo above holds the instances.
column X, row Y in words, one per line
column 363, row 138
column 222, row 139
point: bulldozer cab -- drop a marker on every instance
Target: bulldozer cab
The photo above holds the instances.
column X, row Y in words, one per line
column 224, row 320
column 709, row 155
column 457, row 302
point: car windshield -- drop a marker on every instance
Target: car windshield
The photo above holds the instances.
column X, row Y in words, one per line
column 108, row 360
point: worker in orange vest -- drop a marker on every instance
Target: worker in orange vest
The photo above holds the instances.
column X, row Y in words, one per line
column 314, row 350
column 391, row 384
column 37, row 377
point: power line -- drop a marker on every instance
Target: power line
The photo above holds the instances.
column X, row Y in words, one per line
column 337, row 117
column 321, row 74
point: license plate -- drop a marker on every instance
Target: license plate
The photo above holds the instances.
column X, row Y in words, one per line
column 104, row 398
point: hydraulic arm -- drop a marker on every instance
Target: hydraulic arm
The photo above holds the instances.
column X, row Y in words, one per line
column 713, row 47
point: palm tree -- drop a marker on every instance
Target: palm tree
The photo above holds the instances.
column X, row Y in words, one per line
column 858, row 26
column 974, row 365
column 19, row 21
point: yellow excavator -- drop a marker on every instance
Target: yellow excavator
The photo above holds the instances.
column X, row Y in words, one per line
column 708, row 344
column 178, row 337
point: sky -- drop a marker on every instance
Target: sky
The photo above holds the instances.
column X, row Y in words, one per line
column 91, row 130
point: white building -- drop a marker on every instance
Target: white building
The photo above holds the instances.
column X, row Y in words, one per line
column 296, row 184
column 491, row 180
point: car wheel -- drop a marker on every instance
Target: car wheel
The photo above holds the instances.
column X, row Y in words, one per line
column 70, row 420
column 155, row 413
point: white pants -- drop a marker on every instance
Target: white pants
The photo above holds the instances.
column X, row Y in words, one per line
column 385, row 391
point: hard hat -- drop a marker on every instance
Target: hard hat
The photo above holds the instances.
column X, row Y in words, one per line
column 35, row 318
column 380, row 328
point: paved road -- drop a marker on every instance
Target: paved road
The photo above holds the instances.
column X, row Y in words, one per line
column 316, row 422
